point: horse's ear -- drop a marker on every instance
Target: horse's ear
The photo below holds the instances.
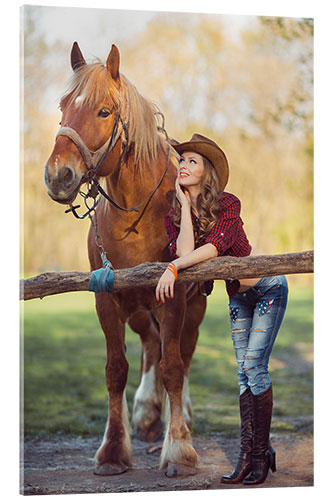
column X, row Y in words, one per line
column 113, row 61
column 77, row 59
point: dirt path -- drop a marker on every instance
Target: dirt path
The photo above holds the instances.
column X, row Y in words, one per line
column 66, row 466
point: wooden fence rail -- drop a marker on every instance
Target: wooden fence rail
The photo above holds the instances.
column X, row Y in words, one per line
column 148, row 274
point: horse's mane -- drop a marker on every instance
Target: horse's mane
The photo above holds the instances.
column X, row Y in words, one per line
column 94, row 84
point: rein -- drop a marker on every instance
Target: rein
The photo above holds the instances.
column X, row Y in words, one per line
column 94, row 160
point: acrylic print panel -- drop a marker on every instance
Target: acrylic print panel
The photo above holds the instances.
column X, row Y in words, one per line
column 205, row 73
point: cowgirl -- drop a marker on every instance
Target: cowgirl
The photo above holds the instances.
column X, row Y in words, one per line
column 205, row 223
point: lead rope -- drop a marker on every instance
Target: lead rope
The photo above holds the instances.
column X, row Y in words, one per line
column 101, row 280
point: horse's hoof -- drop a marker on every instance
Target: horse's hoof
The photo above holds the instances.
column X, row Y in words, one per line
column 109, row 469
column 176, row 470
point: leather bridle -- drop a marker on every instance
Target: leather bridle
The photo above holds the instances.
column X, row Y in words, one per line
column 94, row 160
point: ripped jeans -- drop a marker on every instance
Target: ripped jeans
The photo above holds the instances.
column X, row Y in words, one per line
column 256, row 316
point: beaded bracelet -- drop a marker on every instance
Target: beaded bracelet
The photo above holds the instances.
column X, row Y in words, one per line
column 172, row 267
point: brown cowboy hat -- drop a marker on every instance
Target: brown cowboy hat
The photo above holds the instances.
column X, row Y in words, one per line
column 210, row 150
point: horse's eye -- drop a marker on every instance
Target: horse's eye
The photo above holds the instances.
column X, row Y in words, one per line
column 104, row 113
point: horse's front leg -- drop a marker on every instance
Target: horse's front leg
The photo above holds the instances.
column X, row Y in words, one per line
column 178, row 454
column 114, row 455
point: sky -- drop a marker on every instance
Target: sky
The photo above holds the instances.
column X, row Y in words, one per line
column 96, row 29
column 81, row 24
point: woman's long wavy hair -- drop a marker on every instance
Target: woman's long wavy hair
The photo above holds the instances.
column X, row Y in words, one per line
column 208, row 205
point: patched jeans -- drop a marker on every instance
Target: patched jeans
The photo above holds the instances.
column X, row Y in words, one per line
column 256, row 316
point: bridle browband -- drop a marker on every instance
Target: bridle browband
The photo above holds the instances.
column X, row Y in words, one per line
column 94, row 160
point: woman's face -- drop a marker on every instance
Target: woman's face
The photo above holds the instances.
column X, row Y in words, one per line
column 190, row 170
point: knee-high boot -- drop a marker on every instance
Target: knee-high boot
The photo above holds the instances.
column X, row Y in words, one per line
column 263, row 454
column 243, row 467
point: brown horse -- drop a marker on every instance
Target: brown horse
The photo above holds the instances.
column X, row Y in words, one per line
column 109, row 133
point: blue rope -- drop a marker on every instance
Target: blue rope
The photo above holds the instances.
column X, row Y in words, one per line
column 101, row 280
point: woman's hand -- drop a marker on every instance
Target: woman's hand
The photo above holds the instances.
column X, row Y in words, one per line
column 165, row 286
column 182, row 196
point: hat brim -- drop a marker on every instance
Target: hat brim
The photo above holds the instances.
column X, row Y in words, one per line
column 213, row 153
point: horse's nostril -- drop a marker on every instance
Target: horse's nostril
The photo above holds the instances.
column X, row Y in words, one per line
column 66, row 176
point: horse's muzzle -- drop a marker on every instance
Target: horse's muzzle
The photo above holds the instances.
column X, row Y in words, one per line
column 63, row 185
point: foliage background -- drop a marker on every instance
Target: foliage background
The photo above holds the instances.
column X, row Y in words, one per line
column 245, row 81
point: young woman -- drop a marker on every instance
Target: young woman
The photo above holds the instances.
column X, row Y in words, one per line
column 204, row 223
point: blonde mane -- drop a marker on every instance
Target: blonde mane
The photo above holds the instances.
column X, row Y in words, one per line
column 94, row 84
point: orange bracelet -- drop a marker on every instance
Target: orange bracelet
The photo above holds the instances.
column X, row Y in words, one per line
column 172, row 267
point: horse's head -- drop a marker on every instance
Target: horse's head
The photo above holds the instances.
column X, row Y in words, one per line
column 90, row 115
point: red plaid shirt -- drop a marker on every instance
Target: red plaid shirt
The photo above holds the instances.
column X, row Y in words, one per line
column 227, row 235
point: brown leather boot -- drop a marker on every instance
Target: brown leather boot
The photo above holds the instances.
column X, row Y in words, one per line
column 263, row 454
column 243, row 467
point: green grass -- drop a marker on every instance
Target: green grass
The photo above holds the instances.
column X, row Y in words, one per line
column 64, row 359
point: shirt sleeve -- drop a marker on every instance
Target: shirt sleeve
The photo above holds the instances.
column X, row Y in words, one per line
column 227, row 228
column 172, row 232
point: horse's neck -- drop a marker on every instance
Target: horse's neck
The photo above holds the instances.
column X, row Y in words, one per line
column 133, row 237
column 131, row 185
